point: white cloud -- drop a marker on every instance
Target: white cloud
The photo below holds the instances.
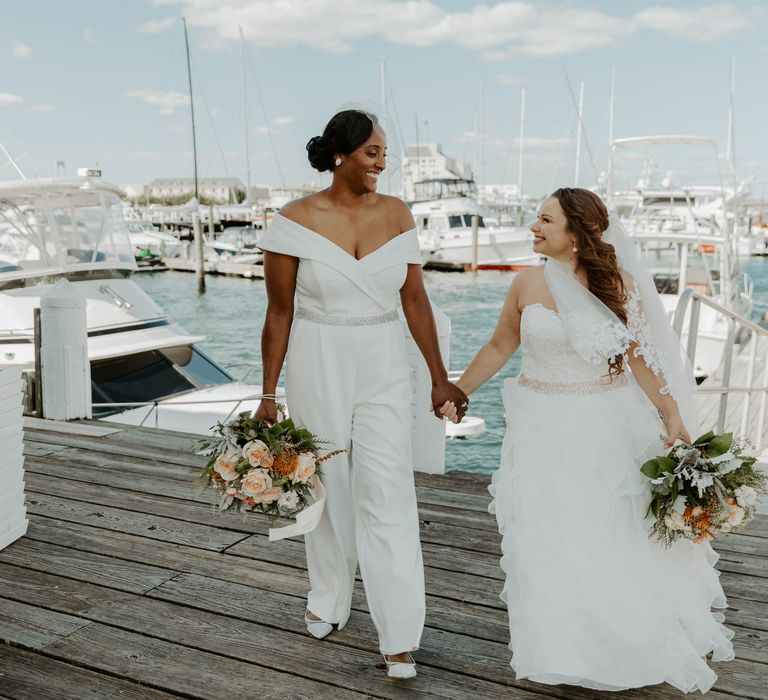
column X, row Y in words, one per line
column 500, row 30
column 166, row 101
column 47, row 107
column 705, row 23
column 156, row 26
column 7, row 99
column 21, row 50
column 283, row 121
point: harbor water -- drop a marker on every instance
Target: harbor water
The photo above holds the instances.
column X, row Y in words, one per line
column 231, row 314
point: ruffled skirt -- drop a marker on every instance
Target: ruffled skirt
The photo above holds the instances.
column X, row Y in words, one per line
column 592, row 600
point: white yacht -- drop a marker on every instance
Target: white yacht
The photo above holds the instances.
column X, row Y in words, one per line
column 144, row 367
column 690, row 237
column 444, row 213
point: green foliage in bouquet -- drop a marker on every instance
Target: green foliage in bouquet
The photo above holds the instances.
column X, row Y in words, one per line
column 704, row 488
column 257, row 466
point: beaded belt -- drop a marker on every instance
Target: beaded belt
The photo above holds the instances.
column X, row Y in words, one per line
column 347, row 320
column 596, row 386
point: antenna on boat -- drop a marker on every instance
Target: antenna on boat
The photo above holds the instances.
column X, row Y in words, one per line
column 191, row 106
column 248, row 193
column 730, row 152
column 13, row 163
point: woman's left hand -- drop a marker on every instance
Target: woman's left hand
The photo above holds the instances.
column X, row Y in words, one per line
column 448, row 393
column 675, row 429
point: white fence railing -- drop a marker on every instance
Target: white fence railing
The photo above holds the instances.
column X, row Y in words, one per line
column 753, row 379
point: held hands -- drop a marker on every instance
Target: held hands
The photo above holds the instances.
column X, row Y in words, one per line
column 675, row 429
column 449, row 401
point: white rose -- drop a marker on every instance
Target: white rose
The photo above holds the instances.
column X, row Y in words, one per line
column 289, row 501
column 257, row 454
column 735, row 515
column 675, row 521
column 255, row 482
column 746, row 496
column 305, row 467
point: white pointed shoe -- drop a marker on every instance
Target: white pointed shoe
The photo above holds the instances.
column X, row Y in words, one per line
column 317, row 628
column 400, row 669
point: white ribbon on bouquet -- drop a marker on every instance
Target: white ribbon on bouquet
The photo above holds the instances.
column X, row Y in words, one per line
column 307, row 519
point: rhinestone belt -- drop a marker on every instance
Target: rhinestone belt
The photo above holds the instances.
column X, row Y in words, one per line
column 347, row 320
column 595, row 386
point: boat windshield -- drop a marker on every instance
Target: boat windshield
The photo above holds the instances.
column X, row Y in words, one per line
column 59, row 230
column 152, row 375
column 464, row 221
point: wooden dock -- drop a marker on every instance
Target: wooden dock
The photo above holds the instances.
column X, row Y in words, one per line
column 128, row 585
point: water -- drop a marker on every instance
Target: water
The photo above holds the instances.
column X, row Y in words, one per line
column 231, row 314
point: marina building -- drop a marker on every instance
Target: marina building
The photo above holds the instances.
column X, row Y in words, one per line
column 427, row 161
column 221, row 190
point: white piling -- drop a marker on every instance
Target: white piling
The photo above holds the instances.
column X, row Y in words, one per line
column 65, row 369
column 13, row 514
column 427, row 431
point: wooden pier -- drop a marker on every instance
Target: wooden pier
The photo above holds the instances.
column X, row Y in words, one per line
column 128, row 585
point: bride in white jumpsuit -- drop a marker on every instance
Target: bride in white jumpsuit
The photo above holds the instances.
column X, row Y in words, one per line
column 348, row 381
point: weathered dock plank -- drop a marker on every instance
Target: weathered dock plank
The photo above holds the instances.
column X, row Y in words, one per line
column 128, row 576
column 28, row 676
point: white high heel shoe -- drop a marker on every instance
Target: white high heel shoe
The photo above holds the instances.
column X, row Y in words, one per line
column 400, row 669
column 317, row 628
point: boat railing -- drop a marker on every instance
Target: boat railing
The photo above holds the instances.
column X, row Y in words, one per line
column 155, row 405
column 757, row 360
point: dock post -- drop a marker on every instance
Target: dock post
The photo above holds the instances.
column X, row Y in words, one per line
column 200, row 257
column 475, row 223
column 65, row 371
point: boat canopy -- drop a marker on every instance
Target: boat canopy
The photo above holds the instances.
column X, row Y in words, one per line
column 644, row 141
column 59, row 226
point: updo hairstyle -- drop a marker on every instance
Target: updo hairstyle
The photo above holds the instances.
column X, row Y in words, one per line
column 344, row 133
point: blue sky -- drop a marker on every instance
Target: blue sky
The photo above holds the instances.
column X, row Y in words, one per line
column 103, row 82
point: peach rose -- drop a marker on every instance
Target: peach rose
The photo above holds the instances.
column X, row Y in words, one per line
column 257, row 453
column 305, row 467
column 270, row 495
column 255, row 482
column 224, row 465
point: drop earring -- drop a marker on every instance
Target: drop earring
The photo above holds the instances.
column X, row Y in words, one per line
column 337, row 162
column 575, row 249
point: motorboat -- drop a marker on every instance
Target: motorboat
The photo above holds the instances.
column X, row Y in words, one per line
column 145, row 368
column 689, row 237
column 454, row 231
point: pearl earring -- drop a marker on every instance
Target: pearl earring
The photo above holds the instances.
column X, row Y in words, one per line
column 338, row 162
column 575, row 249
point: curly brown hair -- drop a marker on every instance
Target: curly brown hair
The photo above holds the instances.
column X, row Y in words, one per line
column 587, row 220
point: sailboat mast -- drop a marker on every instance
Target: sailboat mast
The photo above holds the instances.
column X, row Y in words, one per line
column 248, row 190
column 191, row 106
column 579, row 133
column 520, row 153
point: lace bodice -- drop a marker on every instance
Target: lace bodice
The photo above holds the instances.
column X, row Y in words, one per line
column 548, row 355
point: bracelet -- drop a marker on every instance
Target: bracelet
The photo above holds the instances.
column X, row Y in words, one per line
column 268, row 396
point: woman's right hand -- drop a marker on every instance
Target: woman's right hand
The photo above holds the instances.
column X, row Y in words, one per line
column 267, row 411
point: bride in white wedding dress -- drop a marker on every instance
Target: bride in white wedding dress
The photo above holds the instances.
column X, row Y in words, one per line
column 592, row 601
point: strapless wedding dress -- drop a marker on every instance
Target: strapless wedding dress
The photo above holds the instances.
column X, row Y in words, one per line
column 592, row 600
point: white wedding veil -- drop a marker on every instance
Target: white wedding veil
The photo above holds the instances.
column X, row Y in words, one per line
column 597, row 334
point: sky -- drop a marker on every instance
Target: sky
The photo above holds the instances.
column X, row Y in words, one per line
column 103, row 83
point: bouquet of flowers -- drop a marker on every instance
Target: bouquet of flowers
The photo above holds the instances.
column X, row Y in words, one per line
column 702, row 489
column 256, row 466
